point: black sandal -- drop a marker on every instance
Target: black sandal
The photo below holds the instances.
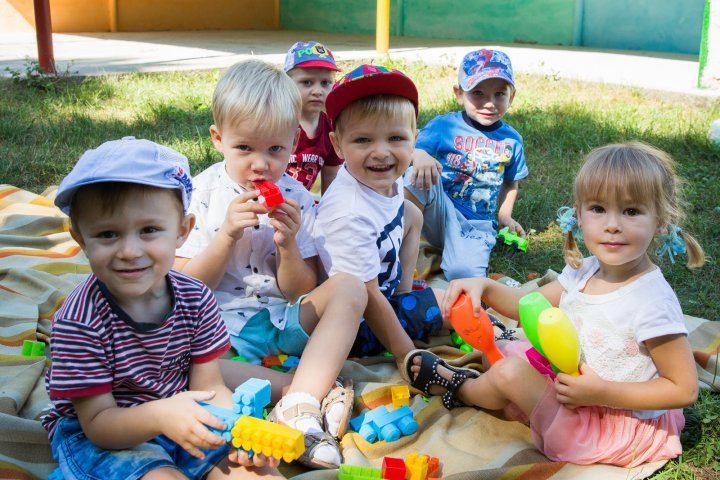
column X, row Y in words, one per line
column 428, row 376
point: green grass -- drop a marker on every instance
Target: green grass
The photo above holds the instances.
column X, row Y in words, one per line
column 43, row 133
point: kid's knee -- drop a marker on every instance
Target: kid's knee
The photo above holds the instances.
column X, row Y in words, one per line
column 350, row 289
column 510, row 371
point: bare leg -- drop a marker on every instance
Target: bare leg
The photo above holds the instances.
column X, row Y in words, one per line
column 234, row 373
column 509, row 380
column 410, row 245
column 228, row 469
column 331, row 313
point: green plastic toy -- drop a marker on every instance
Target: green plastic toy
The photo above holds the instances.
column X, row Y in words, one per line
column 513, row 239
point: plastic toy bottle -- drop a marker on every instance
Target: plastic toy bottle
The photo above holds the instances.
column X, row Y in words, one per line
column 476, row 331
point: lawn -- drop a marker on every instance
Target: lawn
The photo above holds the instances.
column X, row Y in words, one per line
column 44, row 131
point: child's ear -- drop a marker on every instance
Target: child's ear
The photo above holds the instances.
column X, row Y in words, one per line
column 77, row 236
column 336, row 145
column 458, row 94
column 216, row 137
column 512, row 95
column 186, row 226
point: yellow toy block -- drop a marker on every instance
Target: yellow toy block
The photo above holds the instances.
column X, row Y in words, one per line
column 417, row 466
column 400, row 395
column 282, row 358
column 268, row 438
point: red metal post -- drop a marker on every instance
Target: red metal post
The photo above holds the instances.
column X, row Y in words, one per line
column 43, row 31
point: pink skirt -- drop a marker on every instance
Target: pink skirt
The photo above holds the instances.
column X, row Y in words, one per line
column 602, row 434
column 597, row 434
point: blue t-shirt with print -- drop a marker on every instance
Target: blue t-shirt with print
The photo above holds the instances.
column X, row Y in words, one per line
column 475, row 160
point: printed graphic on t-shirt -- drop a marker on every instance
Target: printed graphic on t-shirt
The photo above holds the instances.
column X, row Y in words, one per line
column 472, row 179
column 306, row 168
column 388, row 244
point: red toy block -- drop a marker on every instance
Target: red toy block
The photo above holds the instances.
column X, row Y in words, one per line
column 270, row 361
column 270, row 192
column 393, row 468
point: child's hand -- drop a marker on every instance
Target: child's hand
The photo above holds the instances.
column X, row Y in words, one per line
column 513, row 226
column 184, row 421
column 426, row 170
column 258, row 459
column 285, row 219
column 241, row 214
column 583, row 390
column 472, row 287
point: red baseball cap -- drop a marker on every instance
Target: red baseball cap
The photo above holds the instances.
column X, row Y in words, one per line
column 367, row 80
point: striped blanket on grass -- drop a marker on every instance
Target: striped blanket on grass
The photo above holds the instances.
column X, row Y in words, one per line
column 40, row 264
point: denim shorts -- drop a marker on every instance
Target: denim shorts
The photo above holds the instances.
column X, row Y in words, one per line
column 79, row 458
column 260, row 338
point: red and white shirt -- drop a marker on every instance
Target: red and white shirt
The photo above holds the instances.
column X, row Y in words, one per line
column 311, row 154
column 97, row 348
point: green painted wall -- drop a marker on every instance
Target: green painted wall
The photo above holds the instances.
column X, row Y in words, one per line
column 657, row 25
column 548, row 22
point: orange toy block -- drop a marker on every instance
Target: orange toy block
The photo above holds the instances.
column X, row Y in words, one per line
column 268, row 438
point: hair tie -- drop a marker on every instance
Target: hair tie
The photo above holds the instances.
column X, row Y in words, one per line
column 671, row 243
column 568, row 223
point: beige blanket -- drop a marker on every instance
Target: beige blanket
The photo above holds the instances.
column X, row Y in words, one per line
column 39, row 266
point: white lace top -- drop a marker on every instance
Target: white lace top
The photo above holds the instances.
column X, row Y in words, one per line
column 613, row 327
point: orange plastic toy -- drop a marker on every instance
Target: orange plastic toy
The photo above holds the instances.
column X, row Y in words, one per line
column 476, row 331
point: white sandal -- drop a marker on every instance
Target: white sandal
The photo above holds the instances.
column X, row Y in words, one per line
column 290, row 415
column 342, row 393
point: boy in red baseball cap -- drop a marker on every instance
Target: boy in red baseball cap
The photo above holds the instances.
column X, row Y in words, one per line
column 364, row 226
column 312, row 67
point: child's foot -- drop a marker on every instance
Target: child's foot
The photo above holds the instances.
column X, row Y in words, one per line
column 337, row 406
column 301, row 411
column 433, row 376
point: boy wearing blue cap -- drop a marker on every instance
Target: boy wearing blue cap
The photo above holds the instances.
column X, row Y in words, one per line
column 136, row 333
column 312, row 67
column 479, row 160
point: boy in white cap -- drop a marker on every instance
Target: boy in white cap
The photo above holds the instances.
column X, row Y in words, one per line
column 312, row 67
column 135, row 347
column 478, row 159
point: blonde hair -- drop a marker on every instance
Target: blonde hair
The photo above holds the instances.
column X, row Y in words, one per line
column 390, row 106
column 640, row 173
column 257, row 91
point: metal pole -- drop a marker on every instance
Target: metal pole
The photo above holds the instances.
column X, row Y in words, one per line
column 43, row 32
column 382, row 28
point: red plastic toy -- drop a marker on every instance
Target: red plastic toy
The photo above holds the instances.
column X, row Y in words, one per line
column 476, row 331
column 270, row 192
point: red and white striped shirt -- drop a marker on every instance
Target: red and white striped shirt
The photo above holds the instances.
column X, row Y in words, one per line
column 97, row 348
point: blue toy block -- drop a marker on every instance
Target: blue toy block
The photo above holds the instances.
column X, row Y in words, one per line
column 290, row 362
column 361, row 423
column 224, row 414
column 251, row 397
column 392, row 425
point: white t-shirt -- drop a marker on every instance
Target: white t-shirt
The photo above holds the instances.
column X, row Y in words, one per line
column 612, row 327
column 250, row 283
column 359, row 231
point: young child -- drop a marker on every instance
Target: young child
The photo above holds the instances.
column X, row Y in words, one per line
column 361, row 224
column 480, row 159
column 261, row 263
column 312, row 68
column 135, row 347
column 637, row 369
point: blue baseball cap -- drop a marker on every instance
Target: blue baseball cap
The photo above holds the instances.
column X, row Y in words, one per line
column 128, row 160
column 484, row 64
column 309, row 55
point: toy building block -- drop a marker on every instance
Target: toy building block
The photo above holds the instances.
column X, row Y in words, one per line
column 290, row 362
column 355, row 472
column 417, row 466
column 400, row 395
column 224, row 414
column 393, row 425
column 508, row 238
column 251, row 397
column 240, row 358
column 361, row 423
column 270, row 439
column 393, row 468
column 271, row 360
column 433, row 468
column 270, row 193
column 31, row 348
